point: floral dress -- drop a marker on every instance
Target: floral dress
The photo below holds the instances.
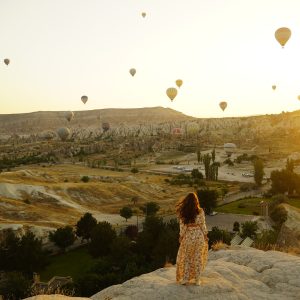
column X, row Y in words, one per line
column 193, row 250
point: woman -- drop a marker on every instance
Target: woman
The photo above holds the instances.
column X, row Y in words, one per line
column 193, row 250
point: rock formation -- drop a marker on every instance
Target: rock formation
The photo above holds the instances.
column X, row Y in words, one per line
column 236, row 273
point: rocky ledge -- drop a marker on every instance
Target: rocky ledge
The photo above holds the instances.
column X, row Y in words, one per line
column 235, row 273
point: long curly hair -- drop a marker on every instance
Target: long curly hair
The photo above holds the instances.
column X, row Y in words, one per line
column 188, row 208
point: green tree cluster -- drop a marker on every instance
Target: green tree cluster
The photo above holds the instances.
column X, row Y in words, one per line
column 208, row 199
column 211, row 169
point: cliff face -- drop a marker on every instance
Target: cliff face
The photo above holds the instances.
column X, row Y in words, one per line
column 237, row 273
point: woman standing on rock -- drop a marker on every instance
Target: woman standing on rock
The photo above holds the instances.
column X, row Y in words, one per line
column 193, row 250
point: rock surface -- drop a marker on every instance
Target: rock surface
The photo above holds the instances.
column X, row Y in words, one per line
column 236, row 273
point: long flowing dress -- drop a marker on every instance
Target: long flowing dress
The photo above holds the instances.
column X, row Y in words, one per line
column 192, row 254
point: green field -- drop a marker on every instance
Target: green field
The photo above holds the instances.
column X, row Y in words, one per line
column 249, row 206
column 74, row 263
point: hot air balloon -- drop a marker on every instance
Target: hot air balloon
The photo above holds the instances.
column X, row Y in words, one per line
column 63, row 133
column 132, row 72
column 229, row 148
column 48, row 135
column 69, row 115
column 143, row 14
column 6, row 61
column 282, row 35
column 84, row 99
column 223, row 105
column 179, row 82
column 274, row 87
column 171, row 93
column 299, row 97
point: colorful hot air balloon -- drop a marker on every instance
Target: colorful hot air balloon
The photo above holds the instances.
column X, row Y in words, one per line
column 132, row 71
column 282, row 35
column 143, row 14
column 84, row 99
column 63, row 133
column 171, row 93
column 223, row 105
column 274, row 87
column 6, row 61
column 69, row 115
column 179, row 82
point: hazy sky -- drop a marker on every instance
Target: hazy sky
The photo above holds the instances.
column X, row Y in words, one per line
column 221, row 49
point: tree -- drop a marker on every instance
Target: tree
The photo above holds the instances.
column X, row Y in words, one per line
column 278, row 215
column 208, row 199
column 197, row 174
column 249, row 229
column 198, row 156
column 32, row 257
column 150, row 208
column 167, row 245
column 120, row 249
column 147, row 239
column 218, row 235
column 206, row 161
column 102, row 236
column 131, row 232
column 213, row 155
column 290, row 165
column 63, row 237
column 258, row 171
column 236, row 226
column 22, row 254
column 284, row 181
column 126, row 212
column 85, row 226
column 14, row 286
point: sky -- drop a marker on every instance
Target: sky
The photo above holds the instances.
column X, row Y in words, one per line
column 223, row 50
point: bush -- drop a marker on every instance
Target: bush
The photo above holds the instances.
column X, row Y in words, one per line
column 134, row 170
column 197, row 174
column 14, row 286
column 278, row 215
column 245, row 187
column 236, row 226
column 229, row 162
column 249, row 229
column 266, row 239
column 218, row 235
column 85, row 179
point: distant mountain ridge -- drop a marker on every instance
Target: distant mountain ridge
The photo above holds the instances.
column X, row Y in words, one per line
column 216, row 130
column 44, row 120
